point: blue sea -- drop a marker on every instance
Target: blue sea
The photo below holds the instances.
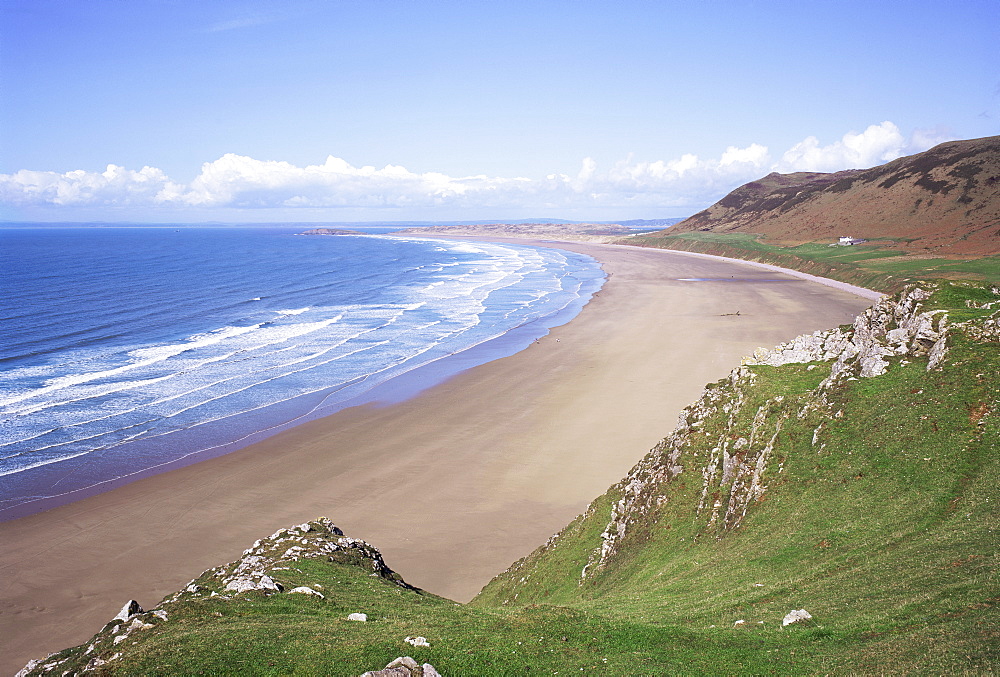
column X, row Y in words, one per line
column 128, row 351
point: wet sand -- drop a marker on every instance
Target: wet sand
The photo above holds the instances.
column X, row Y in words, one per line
column 453, row 485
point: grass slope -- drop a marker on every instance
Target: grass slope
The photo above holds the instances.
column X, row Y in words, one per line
column 255, row 633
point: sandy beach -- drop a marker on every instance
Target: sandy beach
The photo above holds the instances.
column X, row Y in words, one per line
column 453, row 485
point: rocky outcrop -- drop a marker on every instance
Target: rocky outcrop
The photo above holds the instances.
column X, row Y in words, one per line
column 105, row 646
column 259, row 568
column 128, row 611
column 893, row 327
column 987, row 330
column 819, row 346
column 739, row 464
column 258, row 572
column 796, row 616
column 639, row 494
column 404, row 666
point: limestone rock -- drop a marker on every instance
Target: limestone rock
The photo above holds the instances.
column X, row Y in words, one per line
column 130, row 609
column 404, row 666
column 257, row 580
column 262, row 563
column 306, row 590
column 815, row 347
column 357, row 617
column 417, row 641
column 403, row 662
column 389, row 672
column 937, row 354
column 796, row 616
column 891, row 327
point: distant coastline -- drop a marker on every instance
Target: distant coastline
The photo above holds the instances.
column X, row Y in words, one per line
column 330, row 231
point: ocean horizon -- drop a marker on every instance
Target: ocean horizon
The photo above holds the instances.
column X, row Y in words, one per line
column 126, row 351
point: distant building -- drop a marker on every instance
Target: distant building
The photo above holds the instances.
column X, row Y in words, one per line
column 847, row 240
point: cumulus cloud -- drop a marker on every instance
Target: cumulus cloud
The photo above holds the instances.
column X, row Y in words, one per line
column 875, row 146
column 687, row 175
column 236, row 180
column 240, row 182
column 114, row 186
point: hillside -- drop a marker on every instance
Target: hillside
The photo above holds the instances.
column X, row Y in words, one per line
column 852, row 473
column 945, row 201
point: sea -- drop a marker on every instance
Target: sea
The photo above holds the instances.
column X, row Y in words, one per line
column 126, row 351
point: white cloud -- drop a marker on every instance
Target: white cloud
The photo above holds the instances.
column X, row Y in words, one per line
column 114, row 186
column 876, row 145
column 236, row 180
column 754, row 154
column 244, row 183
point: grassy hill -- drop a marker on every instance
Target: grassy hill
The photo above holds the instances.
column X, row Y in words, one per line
column 944, row 201
column 853, row 473
column 935, row 214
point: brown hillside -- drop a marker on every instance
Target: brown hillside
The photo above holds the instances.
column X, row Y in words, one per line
column 943, row 201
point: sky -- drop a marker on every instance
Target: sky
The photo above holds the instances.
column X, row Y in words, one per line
column 382, row 110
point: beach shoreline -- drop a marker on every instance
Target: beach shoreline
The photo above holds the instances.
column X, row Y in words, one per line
column 341, row 368
column 454, row 484
column 315, row 405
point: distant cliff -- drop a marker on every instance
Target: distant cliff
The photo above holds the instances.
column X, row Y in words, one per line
column 942, row 201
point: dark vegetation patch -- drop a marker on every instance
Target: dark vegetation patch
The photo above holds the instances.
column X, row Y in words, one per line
column 927, row 183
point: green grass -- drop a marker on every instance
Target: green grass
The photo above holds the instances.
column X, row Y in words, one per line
column 297, row 635
column 874, row 264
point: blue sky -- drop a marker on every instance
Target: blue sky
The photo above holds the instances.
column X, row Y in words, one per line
column 307, row 110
